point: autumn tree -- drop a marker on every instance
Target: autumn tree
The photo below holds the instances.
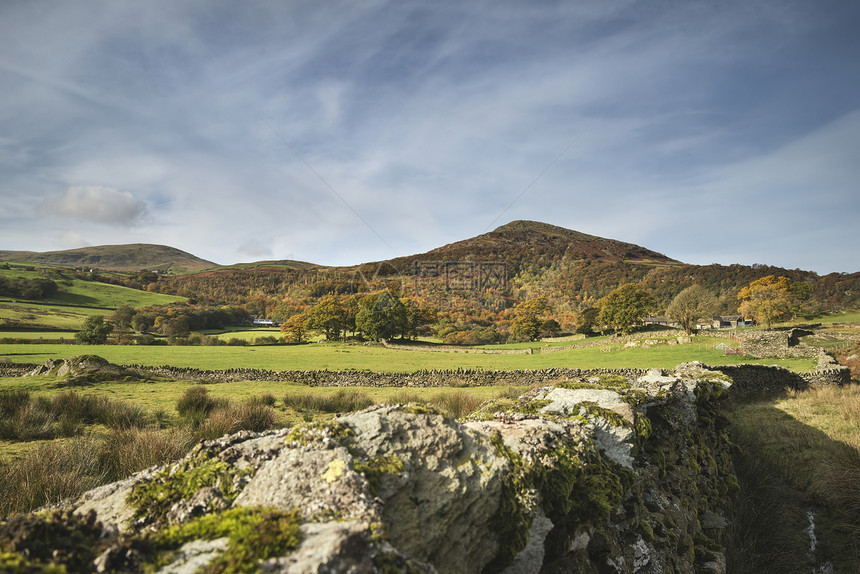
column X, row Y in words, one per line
column 527, row 318
column 766, row 300
column 327, row 316
column 690, row 305
column 294, row 329
column 625, row 307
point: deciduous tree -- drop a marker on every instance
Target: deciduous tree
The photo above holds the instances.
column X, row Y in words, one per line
column 327, row 316
column 766, row 300
column 625, row 307
column 527, row 318
column 690, row 305
column 94, row 332
column 382, row 315
column 294, row 328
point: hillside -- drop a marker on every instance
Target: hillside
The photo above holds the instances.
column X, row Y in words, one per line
column 132, row 257
column 528, row 243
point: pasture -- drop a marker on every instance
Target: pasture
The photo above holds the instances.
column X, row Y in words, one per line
column 345, row 356
column 72, row 304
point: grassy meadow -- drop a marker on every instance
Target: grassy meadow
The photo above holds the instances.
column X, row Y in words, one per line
column 73, row 303
column 343, row 356
column 56, row 443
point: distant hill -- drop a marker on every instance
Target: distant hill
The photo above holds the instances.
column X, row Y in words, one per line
column 526, row 243
column 270, row 265
column 132, row 257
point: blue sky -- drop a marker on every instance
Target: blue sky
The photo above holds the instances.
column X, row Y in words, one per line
column 718, row 131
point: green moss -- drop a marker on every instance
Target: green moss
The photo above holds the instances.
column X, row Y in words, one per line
column 309, row 433
column 595, row 410
column 642, row 426
column 708, row 390
column 377, row 466
column 378, row 532
column 713, row 377
column 613, row 380
column 253, row 534
column 513, row 520
column 635, row 397
column 488, row 410
column 153, row 499
column 49, row 539
column 575, row 487
column 646, row 530
column 13, row 563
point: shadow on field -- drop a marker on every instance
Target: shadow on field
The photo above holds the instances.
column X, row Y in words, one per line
column 787, row 470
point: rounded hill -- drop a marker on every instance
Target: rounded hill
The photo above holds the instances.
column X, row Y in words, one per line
column 130, row 257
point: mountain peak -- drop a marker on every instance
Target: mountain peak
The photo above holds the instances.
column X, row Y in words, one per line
column 524, row 242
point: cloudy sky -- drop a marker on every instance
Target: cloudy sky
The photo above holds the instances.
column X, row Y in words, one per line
column 717, row 131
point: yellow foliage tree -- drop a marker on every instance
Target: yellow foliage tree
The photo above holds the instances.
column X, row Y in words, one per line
column 766, row 299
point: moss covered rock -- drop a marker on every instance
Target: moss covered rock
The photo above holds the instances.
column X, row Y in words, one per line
column 589, row 476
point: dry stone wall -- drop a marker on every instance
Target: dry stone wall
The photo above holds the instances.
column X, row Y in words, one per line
column 750, row 379
column 423, row 378
column 453, row 349
column 629, row 480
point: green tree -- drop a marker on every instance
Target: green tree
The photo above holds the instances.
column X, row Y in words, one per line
column 142, row 322
column 550, row 328
column 94, row 332
column 382, row 315
column 801, row 295
column 625, row 307
column 690, row 305
column 587, row 320
column 419, row 317
column 328, row 316
column 766, row 299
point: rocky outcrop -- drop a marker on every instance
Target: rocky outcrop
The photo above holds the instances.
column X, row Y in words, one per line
column 82, row 369
column 600, row 474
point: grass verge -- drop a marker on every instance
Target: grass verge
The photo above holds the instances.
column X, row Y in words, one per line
column 799, row 454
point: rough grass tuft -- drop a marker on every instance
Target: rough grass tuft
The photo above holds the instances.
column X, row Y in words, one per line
column 342, row 401
column 232, row 418
column 195, row 404
column 457, row 404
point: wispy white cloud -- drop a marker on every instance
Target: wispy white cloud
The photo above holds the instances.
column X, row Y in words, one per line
column 428, row 119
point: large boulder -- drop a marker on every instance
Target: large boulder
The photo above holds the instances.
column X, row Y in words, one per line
column 584, row 476
column 82, row 369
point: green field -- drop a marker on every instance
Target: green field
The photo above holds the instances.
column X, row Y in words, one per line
column 76, row 300
column 162, row 395
column 340, row 356
column 36, row 334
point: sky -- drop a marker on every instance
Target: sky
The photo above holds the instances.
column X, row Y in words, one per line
column 718, row 131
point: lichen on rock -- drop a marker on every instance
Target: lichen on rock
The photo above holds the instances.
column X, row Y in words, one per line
column 612, row 474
